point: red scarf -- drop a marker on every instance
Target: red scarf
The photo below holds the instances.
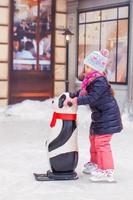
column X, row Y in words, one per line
column 63, row 116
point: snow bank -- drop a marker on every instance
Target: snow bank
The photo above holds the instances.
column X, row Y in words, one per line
column 42, row 110
column 29, row 109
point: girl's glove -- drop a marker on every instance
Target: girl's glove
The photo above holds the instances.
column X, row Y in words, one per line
column 67, row 102
column 74, row 101
column 70, row 101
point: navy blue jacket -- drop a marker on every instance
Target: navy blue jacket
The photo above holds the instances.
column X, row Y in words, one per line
column 105, row 115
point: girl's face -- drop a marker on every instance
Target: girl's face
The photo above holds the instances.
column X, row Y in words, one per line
column 88, row 69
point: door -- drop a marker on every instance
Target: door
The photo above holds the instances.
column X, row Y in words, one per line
column 31, row 73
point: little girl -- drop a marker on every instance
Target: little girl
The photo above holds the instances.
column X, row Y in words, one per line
column 106, row 120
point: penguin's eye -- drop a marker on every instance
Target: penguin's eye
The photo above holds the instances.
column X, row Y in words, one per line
column 61, row 101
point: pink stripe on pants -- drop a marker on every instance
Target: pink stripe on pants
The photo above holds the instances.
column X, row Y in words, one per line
column 100, row 151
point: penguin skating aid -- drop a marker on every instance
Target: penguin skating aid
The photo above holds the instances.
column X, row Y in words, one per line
column 62, row 142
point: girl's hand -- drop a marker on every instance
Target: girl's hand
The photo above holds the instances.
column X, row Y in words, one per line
column 70, row 101
column 67, row 102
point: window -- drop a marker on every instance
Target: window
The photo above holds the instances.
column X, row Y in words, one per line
column 32, row 35
column 106, row 28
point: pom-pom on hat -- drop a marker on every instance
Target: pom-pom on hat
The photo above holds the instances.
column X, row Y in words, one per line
column 97, row 60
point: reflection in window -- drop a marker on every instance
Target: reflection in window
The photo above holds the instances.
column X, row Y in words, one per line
column 93, row 16
column 92, row 37
column 32, row 35
column 107, row 29
column 108, row 40
column 123, row 12
column 82, row 18
column 108, row 14
column 122, row 50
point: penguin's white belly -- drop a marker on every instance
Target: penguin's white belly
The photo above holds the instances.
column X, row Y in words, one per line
column 70, row 146
column 55, row 131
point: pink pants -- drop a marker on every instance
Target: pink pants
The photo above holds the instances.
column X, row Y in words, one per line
column 100, row 151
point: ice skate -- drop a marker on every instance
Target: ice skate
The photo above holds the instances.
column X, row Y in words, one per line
column 89, row 167
column 103, row 176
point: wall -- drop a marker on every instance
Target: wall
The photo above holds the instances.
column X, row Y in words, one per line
column 60, row 46
column 84, row 4
column 4, row 51
column 72, row 24
column 121, row 91
column 130, row 72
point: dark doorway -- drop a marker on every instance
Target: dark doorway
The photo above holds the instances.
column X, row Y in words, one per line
column 31, row 73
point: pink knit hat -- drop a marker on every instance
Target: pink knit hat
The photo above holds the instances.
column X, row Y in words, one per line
column 97, row 60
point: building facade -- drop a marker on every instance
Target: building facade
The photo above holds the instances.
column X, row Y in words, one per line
column 33, row 51
column 104, row 24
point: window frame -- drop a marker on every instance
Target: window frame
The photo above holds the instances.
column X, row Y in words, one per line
column 34, row 78
column 38, row 69
column 117, row 6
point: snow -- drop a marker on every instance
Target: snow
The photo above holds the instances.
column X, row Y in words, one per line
column 23, row 131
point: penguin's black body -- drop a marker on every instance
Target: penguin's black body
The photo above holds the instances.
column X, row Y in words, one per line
column 66, row 161
column 62, row 143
